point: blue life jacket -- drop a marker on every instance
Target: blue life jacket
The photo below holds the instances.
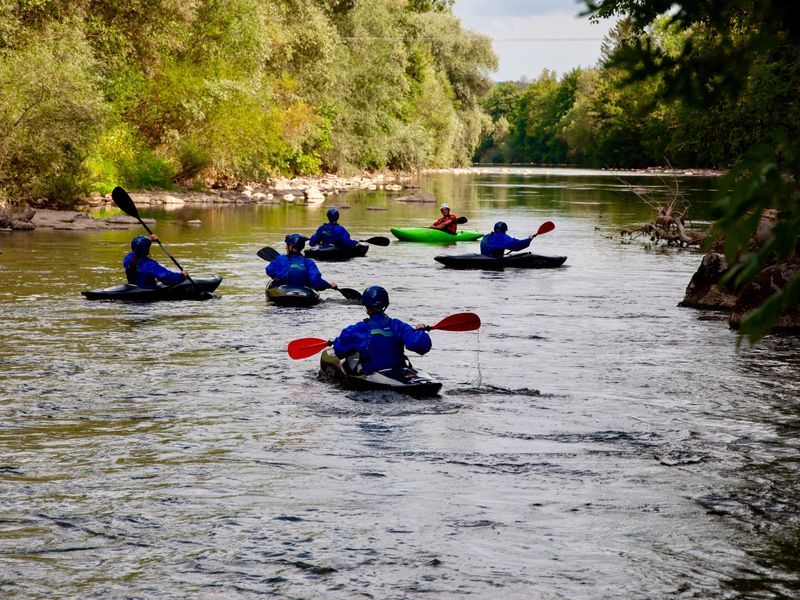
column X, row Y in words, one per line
column 332, row 234
column 380, row 342
column 385, row 348
column 297, row 271
column 496, row 243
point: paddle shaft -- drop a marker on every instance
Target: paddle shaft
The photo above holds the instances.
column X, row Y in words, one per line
column 177, row 264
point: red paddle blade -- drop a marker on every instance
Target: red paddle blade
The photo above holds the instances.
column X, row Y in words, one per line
column 305, row 347
column 545, row 227
column 466, row 321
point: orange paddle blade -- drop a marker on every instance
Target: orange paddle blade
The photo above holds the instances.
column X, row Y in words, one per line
column 305, row 347
column 466, row 321
column 545, row 227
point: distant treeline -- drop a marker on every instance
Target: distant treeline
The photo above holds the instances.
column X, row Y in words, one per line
column 145, row 93
column 598, row 118
column 149, row 93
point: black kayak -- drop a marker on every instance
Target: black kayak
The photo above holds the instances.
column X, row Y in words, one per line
column 284, row 294
column 404, row 380
column 331, row 253
column 524, row 260
column 185, row 290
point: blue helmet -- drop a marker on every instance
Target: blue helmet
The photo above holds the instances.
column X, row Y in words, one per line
column 141, row 245
column 296, row 241
column 333, row 215
column 500, row 227
column 375, row 297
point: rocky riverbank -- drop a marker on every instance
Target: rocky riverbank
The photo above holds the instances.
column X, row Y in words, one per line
column 299, row 190
column 706, row 290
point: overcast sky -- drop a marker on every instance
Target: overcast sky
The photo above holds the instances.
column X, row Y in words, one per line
column 529, row 36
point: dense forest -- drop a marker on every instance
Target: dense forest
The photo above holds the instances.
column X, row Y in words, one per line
column 147, row 93
column 612, row 116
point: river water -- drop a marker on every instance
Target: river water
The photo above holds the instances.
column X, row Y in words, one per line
column 592, row 439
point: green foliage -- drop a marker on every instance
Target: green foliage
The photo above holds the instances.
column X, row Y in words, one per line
column 121, row 158
column 735, row 74
column 422, row 6
column 537, row 120
column 50, row 115
column 149, row 92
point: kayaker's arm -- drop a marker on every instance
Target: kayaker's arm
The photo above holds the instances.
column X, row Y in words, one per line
column 316, row 238
column 161, row 273
column 278, row 268
column 315, row 279
column 342, row 237
column 417, row 340
column 513, row 244
column 352, row 339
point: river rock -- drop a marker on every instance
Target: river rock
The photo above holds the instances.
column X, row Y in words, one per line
column 704, row 290
column 313, row 195
column 173, row 201
column 20, row 225
column 19, row 220
column 764, row 285
column 125, row 220
column 26, row 214
column 423, row 197
column 80, row 221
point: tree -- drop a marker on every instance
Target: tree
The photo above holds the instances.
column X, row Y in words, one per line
column 727, row 45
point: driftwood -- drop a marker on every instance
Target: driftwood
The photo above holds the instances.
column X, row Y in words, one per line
column 669, row 224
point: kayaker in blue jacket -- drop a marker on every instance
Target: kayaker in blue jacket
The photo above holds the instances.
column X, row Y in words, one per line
column 295, row 269
column 378, row 339
column 143, row 271
column 495, row 244
column 332, row 234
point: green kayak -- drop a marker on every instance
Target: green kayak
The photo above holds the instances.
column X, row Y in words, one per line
column 433, row 236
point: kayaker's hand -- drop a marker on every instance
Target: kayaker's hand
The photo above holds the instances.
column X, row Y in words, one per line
column 420, row 326
column 530, row 237
column 185, row 273
column 334, row 286
column 153, row 237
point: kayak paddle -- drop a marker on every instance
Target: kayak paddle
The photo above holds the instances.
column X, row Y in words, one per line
column 466, row 321
column 376, row 241
column 269, row 254
column 545, row 227
column 125, row 203
column 305, row 347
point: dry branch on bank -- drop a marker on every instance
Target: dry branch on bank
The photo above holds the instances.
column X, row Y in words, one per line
column 669, row 224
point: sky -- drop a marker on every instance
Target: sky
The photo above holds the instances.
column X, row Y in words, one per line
column 531, row 35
